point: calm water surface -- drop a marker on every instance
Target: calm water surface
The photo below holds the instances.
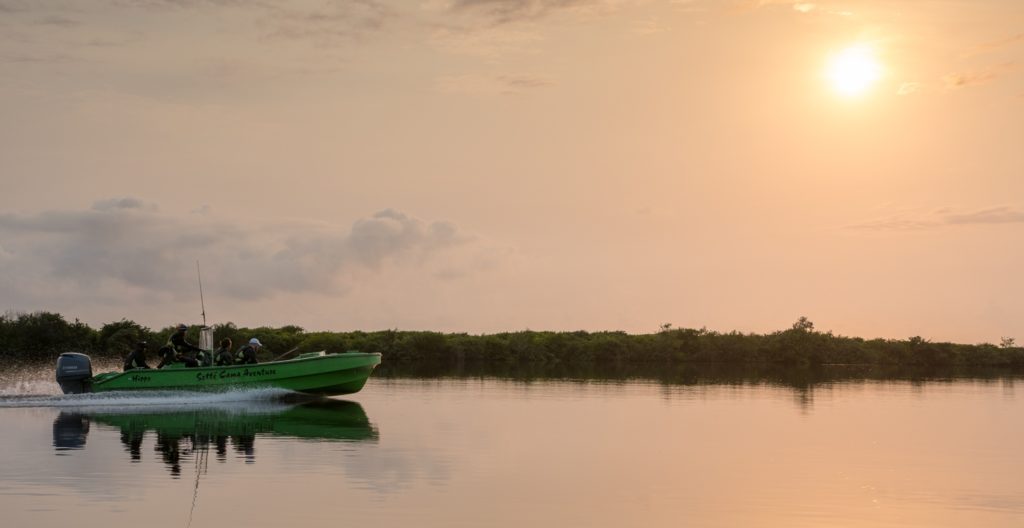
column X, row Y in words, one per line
column 488, row 452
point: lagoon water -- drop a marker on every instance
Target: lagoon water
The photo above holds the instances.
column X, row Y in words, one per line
column 495, row 452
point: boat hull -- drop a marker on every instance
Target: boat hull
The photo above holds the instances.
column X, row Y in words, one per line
column 327, row 374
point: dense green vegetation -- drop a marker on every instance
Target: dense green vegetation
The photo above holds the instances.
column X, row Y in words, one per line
column 44, row 335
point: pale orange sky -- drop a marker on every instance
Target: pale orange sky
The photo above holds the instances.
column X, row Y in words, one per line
column 491, row 165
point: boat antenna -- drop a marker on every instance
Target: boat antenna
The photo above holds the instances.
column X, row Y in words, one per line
column 202, row 302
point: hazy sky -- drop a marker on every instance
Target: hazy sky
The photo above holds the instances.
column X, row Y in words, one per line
column 490, row 165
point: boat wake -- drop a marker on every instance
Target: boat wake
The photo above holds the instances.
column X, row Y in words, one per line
column 150, row 401
column 35, row 387
column 32, row 388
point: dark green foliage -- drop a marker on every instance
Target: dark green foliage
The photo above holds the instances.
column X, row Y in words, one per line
column 326, row 341
column 44, row 335
column 119, row 338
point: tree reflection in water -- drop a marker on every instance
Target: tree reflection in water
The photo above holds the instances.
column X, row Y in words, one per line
column 803, row 380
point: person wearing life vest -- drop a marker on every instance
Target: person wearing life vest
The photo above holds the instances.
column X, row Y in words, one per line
column 204, row 358
column 167, row 356
column 247, row 354
column 137, row 358
column 222, row 357
column 183, row 350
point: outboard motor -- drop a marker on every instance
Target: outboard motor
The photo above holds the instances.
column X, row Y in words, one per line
column 74, row 371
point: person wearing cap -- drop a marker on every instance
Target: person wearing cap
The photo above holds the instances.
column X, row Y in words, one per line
column 247, row 354
column 183, row 350
column 137, row 358
column 222, row 357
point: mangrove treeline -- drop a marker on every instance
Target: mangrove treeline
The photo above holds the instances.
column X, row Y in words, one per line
column 44, row 335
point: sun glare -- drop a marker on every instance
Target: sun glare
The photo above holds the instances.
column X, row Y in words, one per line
column 854, row 70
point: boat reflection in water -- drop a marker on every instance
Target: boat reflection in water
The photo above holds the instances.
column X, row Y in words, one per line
column 190, row 436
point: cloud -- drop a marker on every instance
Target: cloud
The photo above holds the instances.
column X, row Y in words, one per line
column 128, row 245
column 57, row 20
column 488, row 43
column 325, row 23
column 489, row 85
column 447, row 273
column 493, row 28
column 500, row 12
column 996, row 45
column 960, row 80
column 978, row 77
column 895, row 223
column 121, row 203
column 333, row 23
column 801, row 7
column 522, row 82
column 39, row 59
column 750, row 5
column 389, row 233
column 994, row 215
column 114, row 41
column 188, row 4
column 944, row 218
column 84, row 7
column 13, row 6
column 908, row 88
column 505, row 11
column 648, row 27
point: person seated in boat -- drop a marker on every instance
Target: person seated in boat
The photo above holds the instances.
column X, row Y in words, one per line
column 222, row 357
column 137, row 358
column 204, row 358
column 186, row 352
column 247, row 354
column 168, row 355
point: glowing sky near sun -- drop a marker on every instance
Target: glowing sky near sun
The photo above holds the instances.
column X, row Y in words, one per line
column 496, row 165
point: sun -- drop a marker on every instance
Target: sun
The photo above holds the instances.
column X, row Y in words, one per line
column 854, row 70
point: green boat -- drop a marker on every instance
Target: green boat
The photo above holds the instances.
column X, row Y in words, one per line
column 310, row 373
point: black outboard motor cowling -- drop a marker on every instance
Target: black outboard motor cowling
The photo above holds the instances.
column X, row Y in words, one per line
column 74, row 371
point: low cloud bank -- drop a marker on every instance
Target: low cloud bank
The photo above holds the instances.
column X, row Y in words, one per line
column 127, row 245
column 944, row 218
